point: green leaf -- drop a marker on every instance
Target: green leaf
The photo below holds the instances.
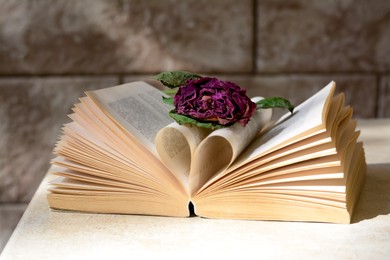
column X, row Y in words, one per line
column 274, row 102
column 181, row 119
column 170, row 92
column 175, row 79
column 168, row 101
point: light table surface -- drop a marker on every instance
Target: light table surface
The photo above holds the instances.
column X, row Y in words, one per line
column 46, row 234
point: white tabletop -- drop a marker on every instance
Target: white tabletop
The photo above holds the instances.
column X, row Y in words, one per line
column 46, row 234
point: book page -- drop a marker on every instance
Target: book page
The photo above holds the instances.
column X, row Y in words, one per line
column 219, row 149
column 138, row 111
column 137, row 107
column 196, row 153
column 176, row 145
column 308, row 119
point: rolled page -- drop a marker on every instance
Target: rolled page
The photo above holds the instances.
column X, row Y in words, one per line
column 176, row 145
column 194, row 154
column 219, row 149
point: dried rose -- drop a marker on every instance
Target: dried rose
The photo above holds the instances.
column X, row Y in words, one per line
column 210, row 102
column 213, row 100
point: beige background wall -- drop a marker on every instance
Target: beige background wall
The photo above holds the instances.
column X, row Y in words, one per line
column 51, row 51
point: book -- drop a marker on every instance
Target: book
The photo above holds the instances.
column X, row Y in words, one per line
column 122, row 154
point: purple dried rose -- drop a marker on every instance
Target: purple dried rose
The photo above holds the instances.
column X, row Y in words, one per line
column 212, row 100
column 211, row 103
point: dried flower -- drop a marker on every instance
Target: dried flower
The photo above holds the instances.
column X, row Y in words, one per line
column 213, row 100
column 210, row 102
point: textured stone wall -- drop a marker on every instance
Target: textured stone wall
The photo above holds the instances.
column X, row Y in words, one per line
column 52, row 51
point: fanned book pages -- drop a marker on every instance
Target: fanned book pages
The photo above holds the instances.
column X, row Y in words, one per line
column 122, row 153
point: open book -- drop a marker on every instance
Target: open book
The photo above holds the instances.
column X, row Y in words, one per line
column 123, row 154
